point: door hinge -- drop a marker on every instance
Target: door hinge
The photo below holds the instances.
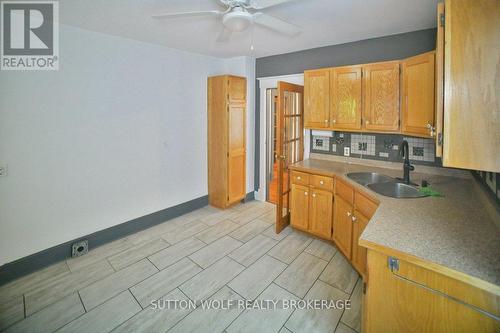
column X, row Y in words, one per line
column 364, row 287
column 393, row 264
column 441, row 19
column 440, row 139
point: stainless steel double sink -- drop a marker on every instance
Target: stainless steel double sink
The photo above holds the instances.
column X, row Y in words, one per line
column 385, row 185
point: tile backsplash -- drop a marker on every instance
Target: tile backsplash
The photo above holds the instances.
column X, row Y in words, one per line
column 376, row 146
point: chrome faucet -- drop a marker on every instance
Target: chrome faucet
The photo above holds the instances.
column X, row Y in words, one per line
column 407, row 167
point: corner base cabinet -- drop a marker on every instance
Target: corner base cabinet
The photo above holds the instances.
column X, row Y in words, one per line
column 226, row 140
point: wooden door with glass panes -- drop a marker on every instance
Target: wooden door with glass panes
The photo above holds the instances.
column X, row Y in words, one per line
column 290, row 144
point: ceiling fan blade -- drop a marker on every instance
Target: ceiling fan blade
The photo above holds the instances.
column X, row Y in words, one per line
column 276, row 24
column 224, row 35
column 261, row 4
column 188, row 14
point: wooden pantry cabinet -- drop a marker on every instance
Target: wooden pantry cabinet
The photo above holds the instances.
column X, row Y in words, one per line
column 226, row 140
column 331, row 209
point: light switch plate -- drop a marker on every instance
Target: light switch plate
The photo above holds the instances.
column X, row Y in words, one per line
column 347, row 151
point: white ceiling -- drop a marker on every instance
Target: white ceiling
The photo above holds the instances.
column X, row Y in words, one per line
column 324, row 22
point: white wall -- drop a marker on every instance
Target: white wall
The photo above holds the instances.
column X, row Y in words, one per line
column 117, row 133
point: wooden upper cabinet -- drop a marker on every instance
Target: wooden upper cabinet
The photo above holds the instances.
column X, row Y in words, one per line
column 418, row 102
column 471, row 137
column 381, row 96
column 317, row 98
column 345, row 98
column 321, row 212
column 342, row 225
column 299, row 207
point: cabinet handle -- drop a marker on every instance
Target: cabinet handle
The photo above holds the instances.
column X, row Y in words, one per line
column 353, row 218
column 334, row 121
column 305, row 193
column 298, row 177
column 314, row 195
column 348, row 213
column 367, row 122
column 326, row 120
column 321, row 182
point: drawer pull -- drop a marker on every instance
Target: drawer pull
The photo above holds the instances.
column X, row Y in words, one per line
column 298, row 178
column 321, row 182
column 348, row 213
column 314, row 195
column 353, row 218
column 305, row 193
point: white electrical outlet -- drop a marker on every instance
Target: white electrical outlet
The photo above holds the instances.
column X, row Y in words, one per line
column 3, row 170
column 347, row 151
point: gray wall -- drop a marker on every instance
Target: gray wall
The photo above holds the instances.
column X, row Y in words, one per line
column 371, row 50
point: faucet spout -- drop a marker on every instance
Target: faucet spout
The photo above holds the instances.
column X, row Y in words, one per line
column 407, row 167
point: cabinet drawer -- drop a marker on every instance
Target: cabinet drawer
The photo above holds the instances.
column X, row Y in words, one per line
column 345, row 191
column 300, row 178
column 322, row 182
column 363, row 204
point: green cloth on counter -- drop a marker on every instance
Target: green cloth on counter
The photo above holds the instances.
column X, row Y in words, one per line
column 430, row 192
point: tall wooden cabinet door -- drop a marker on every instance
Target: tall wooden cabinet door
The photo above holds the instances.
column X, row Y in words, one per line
column 236, row 152
column 299, row 207
column 345, row 98
column 381, row 96
column 237, row 89
column 358, row 252
column 321, row 212
column 317, row 98
column 342, row 225
column 418, row 95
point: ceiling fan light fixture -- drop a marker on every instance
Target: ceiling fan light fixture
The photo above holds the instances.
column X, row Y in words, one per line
column 237, row 20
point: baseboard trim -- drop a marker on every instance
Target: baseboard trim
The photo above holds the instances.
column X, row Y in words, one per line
column 50, row 256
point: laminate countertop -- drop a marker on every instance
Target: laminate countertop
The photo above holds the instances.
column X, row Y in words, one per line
column 457, row 231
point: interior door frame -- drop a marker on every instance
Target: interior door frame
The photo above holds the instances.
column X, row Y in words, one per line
column 264, row 84
column 283, row 221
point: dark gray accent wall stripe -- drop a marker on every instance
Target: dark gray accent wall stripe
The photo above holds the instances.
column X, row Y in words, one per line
column 42, row 259
column 392, row 47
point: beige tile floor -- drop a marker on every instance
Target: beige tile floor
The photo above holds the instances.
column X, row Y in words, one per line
column 207, row 254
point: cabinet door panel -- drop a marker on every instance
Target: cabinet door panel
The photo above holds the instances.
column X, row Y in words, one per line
column 299, row 207
column 418, row 94
column 237, row 89
column 381, row 96
column 345, row 85
column 317, row 98
column 236, row 153
column 358, row 252
column 321, row 211
column 342, row 225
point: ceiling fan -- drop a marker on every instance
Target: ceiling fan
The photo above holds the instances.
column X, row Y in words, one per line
column 240, row 14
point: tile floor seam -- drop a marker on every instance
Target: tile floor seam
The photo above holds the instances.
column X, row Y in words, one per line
column 81, row 301
column 152, row 263
column 120, row 291
column 142, row 308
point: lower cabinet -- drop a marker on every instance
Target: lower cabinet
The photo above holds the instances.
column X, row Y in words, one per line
column 331, row 209
column 342, row 225
column 358, row 252
column 299, row 207
column 405, row 297
column 321, row 213
column 311, row 208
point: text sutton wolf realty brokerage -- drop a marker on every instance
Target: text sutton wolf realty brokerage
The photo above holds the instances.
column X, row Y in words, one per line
column 30, row 35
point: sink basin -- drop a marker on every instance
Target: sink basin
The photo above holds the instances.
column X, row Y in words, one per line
column 365, row 178
column 396, row 190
